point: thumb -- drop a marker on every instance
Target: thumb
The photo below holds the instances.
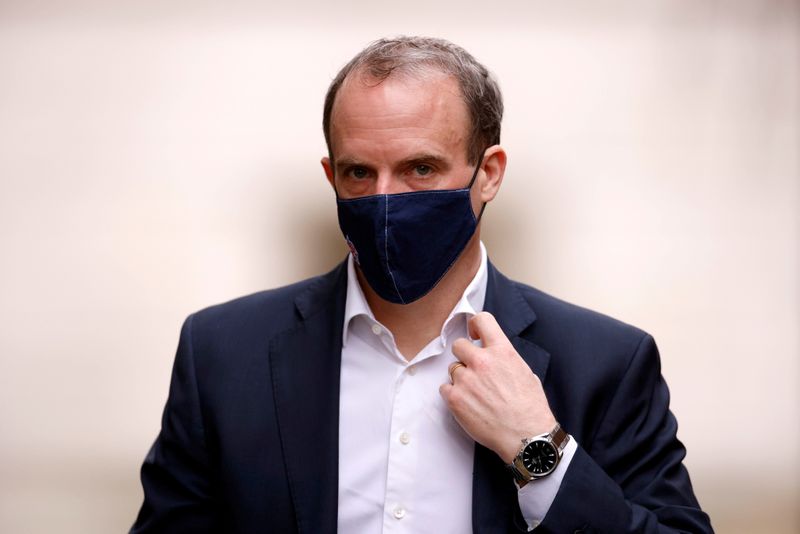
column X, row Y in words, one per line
column 484, row 326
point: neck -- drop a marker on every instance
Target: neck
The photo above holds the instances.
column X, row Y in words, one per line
column 414, row 325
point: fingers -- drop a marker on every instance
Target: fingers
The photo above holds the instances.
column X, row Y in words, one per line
column 445, row 389
column 465, row 351
column 453, row 368
column 481, row 326
column 484, row 326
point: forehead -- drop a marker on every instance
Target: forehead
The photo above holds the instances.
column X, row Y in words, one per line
column 402, row 113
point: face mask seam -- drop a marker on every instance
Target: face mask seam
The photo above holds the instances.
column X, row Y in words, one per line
column 386, row 247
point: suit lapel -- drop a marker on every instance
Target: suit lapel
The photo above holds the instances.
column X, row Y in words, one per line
column 305, row 363
column 504, row 300
column 495, row 505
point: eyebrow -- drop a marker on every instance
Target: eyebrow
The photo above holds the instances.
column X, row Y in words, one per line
column 422, row 157
column 349, row 162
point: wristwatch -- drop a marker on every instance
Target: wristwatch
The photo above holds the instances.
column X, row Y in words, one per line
column 539, row 455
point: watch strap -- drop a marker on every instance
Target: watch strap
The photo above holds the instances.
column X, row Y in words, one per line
column 560, row 438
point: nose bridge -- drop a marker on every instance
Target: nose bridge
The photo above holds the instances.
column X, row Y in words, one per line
column 386, row 183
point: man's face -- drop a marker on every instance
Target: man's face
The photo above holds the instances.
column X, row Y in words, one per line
column 403, row 134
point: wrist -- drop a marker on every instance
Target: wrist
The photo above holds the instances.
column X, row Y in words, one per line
column 512, row 449
column 513, row 445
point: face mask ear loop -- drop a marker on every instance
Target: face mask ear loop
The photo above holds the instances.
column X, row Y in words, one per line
column 475, row 174
column 472, row 181
column 480, row 214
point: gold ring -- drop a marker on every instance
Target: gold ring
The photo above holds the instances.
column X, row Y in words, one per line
column 452, row 369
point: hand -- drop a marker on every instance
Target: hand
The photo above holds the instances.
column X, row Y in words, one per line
column 496, row 398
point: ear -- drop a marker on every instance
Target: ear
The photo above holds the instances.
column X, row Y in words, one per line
column 328, row 167
column 493, row 167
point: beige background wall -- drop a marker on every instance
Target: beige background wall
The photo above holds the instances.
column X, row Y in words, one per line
column 157, row 157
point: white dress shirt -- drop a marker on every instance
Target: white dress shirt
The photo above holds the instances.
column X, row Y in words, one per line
column 405, row 464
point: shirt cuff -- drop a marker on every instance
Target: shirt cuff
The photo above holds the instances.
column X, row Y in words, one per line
column 536, row 496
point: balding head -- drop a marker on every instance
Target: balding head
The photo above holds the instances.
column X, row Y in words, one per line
column 418, row 57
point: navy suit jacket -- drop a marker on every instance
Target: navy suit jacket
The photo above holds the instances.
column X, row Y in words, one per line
column 249, row 437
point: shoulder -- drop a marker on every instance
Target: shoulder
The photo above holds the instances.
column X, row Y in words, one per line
column 263, row 314
column 592, row 357
column 553, row 313
column 576, row 336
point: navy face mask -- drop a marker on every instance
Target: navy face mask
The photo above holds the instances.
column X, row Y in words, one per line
column 405, row 243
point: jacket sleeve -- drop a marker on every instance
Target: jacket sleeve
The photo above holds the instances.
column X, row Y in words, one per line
column 632, row 478
column 176, row 476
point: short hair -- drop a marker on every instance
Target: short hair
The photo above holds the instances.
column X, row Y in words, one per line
column 417, row 55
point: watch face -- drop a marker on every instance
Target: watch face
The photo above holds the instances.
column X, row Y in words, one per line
column 539, row 457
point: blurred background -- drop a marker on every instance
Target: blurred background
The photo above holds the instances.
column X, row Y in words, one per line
column 158, row 157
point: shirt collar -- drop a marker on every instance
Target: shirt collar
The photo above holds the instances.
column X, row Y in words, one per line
column 470, row 303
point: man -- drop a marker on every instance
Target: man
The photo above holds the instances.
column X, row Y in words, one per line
column 414, row 388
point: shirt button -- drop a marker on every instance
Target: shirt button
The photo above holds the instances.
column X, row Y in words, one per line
column 412, row 370
column 399, row 512
column 405, row 438
column 376, row 329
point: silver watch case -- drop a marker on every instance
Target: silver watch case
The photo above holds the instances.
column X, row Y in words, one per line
column 556, row 439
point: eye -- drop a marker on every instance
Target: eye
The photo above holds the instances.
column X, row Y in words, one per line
column 423, row 170
column 359, row 173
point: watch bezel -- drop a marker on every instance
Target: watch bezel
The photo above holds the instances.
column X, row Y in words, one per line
column 531, row 444
column 556, row 438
